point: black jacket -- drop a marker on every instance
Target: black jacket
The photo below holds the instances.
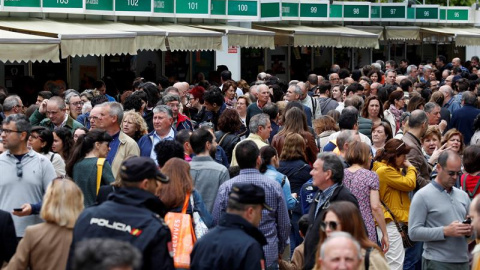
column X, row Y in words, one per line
column 234, row 244
column 8, row 243
column 128, row 216
column 341, row 193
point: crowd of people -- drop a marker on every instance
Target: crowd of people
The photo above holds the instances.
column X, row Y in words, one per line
column 374, row 168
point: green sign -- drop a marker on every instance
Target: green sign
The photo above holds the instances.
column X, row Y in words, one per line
column 336, row 11
column 62, row 3
column 163, row 6
column 426, row 13
column 192, row 6
column 375, row 12
column 106, row 5
column 393, row 12
column 133, row 5
column 457, row 14
column 22, row 3
column 411, row 13
column 242, row 8
column 270, row 10
column 219, row 7
column 289, row 9
column 356, row 11
column 313, row 10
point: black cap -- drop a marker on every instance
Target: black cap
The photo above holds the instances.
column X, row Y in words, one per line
column 247, row 193
column 136, row 169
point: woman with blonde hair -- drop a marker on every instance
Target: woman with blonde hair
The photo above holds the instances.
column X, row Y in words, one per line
column 180, row 186
column 134, row 125
column 46, row 245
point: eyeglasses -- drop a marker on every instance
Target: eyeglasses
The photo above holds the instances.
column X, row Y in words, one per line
column 94, row 118
column 8, row 131
column 78, row 103
column 35, row 137
column 453, row 173
column 19, row 169
column 403, row 143
column 332, row 224
column 21, row 106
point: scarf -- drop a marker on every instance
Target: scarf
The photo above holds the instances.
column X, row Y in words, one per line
column 397, row 113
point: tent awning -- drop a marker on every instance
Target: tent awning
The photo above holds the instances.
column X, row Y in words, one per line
column 244, row 37
column 147, row 38
column 324, row 36
column 18, row 47
column 76, row 39
column 402, row 32
column 378, row 30
column 186, row 38
column 462, row 36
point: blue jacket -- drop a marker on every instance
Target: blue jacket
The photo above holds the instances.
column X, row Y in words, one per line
column 128, row 215
column 83, row 119
column 234, row 244
column 146, row 143
column 272, row 173
column 462, row 120
column 199, row 207
column 307, row 194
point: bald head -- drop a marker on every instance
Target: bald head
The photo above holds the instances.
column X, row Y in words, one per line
column 446, row 90
column 456, row 62
column 340, row 251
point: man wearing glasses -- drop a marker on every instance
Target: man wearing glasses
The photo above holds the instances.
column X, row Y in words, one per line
column 25, row 173
column 438, row 217
column 13, row 105
column 56, row 111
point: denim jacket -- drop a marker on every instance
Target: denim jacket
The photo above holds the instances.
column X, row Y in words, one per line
column 272, row 173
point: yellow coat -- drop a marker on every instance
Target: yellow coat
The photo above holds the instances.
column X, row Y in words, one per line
column 394, row 188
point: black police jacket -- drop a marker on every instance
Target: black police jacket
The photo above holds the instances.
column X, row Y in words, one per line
column 127, row 216
column 234, row 244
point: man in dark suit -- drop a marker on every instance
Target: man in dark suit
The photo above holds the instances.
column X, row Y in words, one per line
column 8, row 237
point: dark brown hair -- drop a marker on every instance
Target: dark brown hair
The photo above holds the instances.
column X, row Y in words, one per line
column 392, row 149
column 229, row 121
column 367, row 103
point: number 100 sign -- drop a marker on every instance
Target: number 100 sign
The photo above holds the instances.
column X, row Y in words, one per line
column 242, row 8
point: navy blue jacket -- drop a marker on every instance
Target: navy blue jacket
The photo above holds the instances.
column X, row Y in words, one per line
column 146, row 143
column 128, row 216
column 462, row 119
column 234, row 244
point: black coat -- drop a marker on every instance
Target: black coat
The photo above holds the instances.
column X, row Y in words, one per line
column 341, row 193
column 234, row 244
column 8, row 237
column 128, row 215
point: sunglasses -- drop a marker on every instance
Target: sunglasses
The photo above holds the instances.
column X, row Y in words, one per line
column 19, row 169
column 453, row 173
column 332, row 224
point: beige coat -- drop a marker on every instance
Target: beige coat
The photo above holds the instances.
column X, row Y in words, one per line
column 128, row 147
column 45, row 246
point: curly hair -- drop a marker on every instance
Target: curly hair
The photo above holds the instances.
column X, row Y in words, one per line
column 138, row 121
column 229, row 121
column 132, row 102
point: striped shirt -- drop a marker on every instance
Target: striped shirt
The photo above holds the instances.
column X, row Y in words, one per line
column 275, row 225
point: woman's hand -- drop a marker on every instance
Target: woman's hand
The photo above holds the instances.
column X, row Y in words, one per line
column 385, row 243
column 436, row 153
column 407, row 163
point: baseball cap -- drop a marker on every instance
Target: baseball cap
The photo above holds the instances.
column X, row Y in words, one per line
column 246, row 193
column 136, row 169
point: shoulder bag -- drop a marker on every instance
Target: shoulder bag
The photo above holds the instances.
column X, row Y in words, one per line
column 183, row 235
column 100, row 162
column 198, row 224
column 402, row 229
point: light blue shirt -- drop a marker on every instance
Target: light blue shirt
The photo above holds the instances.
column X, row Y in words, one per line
column 157, row 139
column 273, row 174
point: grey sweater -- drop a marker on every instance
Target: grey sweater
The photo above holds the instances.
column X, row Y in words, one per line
column 433, row 208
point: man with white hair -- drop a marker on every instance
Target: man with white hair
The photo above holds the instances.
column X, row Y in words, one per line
column 307, row 100
column 256, row 107
column 448, row 100
column 340, row 251
column 412, row 73
column 427, row 70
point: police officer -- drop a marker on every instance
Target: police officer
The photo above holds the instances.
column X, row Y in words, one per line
column 129, row 215
column 236, row 243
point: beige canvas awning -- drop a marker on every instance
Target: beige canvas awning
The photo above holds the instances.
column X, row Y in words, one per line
column 148, row 38
column 402, row 32
column 76, row 39
column 324, row 36
column 186, row 38
column 462, row 36
column 244, row 37
column 18, row 47
column 378, row 30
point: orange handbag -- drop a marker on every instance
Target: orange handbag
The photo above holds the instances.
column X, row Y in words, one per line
column 183, row 235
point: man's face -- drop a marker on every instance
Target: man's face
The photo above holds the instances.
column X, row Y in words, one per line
column 263, row 94
column 439, row 63
column 390, row 78
column 76, row 105
column 264, row 132
column 162, row 122
column 290, row 95
column 334, row 78
column 341, row 255
column 303, row 87
column 319, row 176
column 474, row 62
column 54, row 113
column 39, row 100
column 434, row 85
column 403, row 64
column 449, row 80
column 209, row 107
column 95, row 115
column 175, row 106
column 448, row 176
column 213, row 146
column 10, row 137
column 107, row 120
column 413, row 72
column 434, row 116
column 427, row 73
column 388, row 66
column 102, row 90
